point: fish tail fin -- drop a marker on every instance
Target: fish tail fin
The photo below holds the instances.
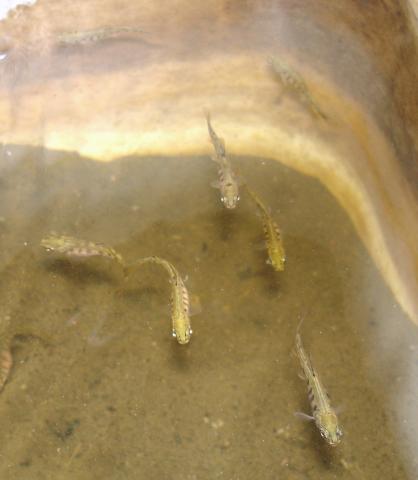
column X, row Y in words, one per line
column 300, row 324
column 209, row 124
column 318, row 112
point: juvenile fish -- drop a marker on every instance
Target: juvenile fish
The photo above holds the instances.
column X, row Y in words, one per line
column 74, row 247
column 293, row 81
column 6, row 362
column 322, row 413
column 228, row 182
column 180, row 304
column 274, row 245
column 93, row 36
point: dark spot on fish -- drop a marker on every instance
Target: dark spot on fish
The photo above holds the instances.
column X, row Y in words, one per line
column 25, row 463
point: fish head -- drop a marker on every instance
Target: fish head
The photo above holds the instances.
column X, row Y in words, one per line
column 230, row 195
column 183, row 336
column 53, row 243
column 278, row 262
column 230, row 202
column 330, row 429
column 277, row 259
column 182, row 332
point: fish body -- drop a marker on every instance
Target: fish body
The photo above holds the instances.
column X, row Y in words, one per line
column 93, row 36
column 274, row 245
column 180, row 303
column 6, row 363
column 74, row 247
column 228, row 183
column 294, row 82
column 323, row 414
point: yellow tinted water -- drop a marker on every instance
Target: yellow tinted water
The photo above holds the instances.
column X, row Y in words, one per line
column 99, row 389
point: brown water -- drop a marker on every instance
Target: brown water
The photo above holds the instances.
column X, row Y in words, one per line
column 99, row 389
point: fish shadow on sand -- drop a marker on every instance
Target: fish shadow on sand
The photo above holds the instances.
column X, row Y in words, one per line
column 226, row 223
column 82, row 273
column 327, row 455
column 271, row 279
column 146, row 295
column 180, row 356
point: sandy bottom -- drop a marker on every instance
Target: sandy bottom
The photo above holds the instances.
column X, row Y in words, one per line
column 100, row 390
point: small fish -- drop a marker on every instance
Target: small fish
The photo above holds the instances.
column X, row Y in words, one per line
column 180, row 304
column 293, row 81
column 323, row 414
column 74, row 247
column 6, row 363
column 275, row 249
column 94, row 36
column 228, row 182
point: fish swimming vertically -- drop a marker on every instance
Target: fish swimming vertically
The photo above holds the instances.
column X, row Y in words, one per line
column 228, row 182
column 274, row 244
column 6, row 358
column 6, row 363
column 322, row 413
column 292, row 81
column 74, row 247
column 180, row 303
column 93, row 36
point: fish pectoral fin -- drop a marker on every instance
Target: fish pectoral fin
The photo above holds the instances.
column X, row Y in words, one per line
column 195, row 306
column 339, row 408
column 301, row 376
column 304, row 416
column 215, row 184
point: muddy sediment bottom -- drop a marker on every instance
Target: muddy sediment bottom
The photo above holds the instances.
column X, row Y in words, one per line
column 99, row 389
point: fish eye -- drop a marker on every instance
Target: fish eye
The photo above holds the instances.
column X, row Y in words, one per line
column 190, row 331
column 324, row 434
column 339, row 432
column 173, row 333
column 223, row 199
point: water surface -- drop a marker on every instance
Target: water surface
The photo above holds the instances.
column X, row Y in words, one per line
column 99, row 389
